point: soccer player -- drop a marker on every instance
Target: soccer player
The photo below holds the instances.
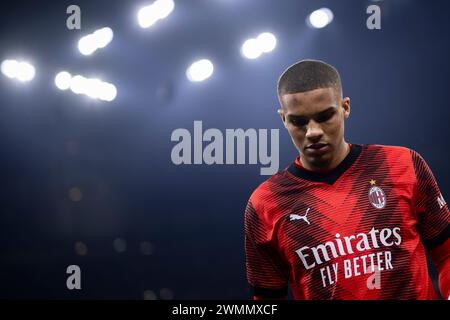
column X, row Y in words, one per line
column 343, row 221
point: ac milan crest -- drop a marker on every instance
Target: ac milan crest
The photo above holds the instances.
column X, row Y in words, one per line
column 377, row 197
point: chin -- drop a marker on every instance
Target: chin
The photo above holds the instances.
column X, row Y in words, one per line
column 320, row 162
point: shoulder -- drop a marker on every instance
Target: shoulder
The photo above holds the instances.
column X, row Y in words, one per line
column 265, row 195
column 264, row 190
column 388, row 150
column 263, row 210
column 392, row 154
column 400, row 160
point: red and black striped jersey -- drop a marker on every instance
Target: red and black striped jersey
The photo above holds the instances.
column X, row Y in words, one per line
column 357, row 232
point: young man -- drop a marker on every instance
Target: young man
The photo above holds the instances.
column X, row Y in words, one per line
column 344, row 221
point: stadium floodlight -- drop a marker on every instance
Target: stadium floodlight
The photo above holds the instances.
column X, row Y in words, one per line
column 160, row 9
column 25, row 71
column 103, row 36
column 164, row 7
column 255, row 47
column 9, row 68
column 200, row 70
column 86, row 45
column 267, row 42
column 147, row 17
column 91, row 87
column 251, row 49
column 320, row 18
column 96, row 40
column 78, row 84
column 19, row 70
column 107, row 92
column 63, row 80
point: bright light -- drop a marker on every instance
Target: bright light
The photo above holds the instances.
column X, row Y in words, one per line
column 96, row 40
column 163, row 7
column 107, row 92
column 255, row 47
column 25, row 71
column 91, row 87
column 9, row 68
column 267, row 41
column 78, row 84
column 320, row 18
column 251, row 49
column 20, row 70
column 103, row 36
column 200, row 70
column 86, row 45
column 158, row 10
column 63, row 80
column 147, row 16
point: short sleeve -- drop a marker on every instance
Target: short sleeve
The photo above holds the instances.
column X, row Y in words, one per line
column 267, row 274
column 430, row 206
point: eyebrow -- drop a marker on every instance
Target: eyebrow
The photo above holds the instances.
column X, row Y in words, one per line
column 316, row 115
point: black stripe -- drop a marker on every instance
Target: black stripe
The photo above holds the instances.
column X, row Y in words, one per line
column 331, row 177
column 438, row 240
column 270, row 293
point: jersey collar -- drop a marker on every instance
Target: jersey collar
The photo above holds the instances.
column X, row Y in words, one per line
column 333, row 175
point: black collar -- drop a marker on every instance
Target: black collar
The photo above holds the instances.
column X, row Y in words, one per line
column 332, row 176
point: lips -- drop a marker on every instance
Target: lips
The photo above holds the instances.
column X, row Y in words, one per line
column 316, row 146
column 317, row 149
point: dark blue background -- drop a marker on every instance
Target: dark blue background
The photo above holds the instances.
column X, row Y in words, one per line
column 118, row 154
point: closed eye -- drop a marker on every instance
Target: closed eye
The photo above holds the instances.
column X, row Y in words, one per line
column 298, row 121
column 325, row 116
column 301, row 121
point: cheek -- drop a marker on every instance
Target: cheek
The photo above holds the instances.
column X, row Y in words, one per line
column 297, row 135
column 334, row 129
column 294, row 131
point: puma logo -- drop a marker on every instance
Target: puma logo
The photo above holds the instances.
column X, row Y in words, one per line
column 293, row 216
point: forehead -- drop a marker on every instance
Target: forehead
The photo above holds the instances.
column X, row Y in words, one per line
column 309, row 102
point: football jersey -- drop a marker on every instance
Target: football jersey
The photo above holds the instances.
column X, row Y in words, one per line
column 358, row 231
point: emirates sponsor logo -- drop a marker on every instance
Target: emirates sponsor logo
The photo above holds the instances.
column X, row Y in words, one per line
column 374, row 239
column 367, row 263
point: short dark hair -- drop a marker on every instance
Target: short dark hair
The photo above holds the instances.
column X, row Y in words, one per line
column 307, row 75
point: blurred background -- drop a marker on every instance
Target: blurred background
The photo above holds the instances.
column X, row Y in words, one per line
column 88, row 179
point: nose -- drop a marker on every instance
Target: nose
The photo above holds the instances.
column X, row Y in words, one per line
column 314, row 131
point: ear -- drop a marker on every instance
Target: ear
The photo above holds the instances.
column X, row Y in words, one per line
column 282, row 116
column 346, row 107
